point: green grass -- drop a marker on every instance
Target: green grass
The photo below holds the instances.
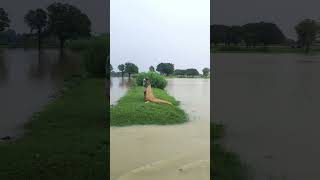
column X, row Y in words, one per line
column 226, row 165
column 68, row 140
column 131, row 110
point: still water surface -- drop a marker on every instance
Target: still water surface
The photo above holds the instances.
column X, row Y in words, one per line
column 118, row 88
column 170, row 152
column 270, row 107
column 27, row 80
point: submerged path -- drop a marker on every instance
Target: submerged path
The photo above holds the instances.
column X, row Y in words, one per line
column 167, row 152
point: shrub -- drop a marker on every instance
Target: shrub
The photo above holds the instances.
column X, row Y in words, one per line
column 157, row 80
column 95, row 53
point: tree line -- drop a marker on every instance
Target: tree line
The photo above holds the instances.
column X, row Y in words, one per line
column 62, row 20
column 252, row 34
column 166, row 69
column 263, row 33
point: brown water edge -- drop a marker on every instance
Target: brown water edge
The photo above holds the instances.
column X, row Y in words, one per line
column 167, row 152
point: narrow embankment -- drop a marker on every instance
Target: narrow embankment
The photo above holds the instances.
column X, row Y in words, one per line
column 132, row 110
column 150, row 150
column 225, row 164
column 67, row 140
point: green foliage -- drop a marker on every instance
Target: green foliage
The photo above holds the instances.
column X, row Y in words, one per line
column 186, row 72
column 36, row 19
column 192, row 72
column 95, row 58
column 4, row 20
column 165, row 68
column 307, row 31
column 66, row 141
column 151, row 69
column 95, row 52
column 68, row 22
column 121, row 67
column 228, row 165
column 131, row 68
column 180, row 72
column 156, row 80
column 252, row 34
column 132, row 110
column 205, row 72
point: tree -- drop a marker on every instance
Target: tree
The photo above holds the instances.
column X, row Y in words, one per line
column 121, row 68
column 218, row 34
column 67, row 22
column 151, row 69
column 206, row 72
column 111, row 67
column 192, row 72
column 235, row 35
column 131, row 68
column 4, row 20
column 307, row 32
column 165, row 68
column 180, row 72
column 37, row 20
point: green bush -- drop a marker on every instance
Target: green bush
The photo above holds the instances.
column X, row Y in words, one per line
column 157, row 80
column 95, row 52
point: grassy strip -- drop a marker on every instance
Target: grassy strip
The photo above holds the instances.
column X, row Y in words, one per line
column 226, row 165
column 68, row 140
column 131, row 110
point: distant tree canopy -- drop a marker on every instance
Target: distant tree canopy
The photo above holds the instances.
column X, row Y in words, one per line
column 192, row 72
column 121, row 68
column 67, row 22
column 205, row 72
column 165, row 68
column 307, row 32
column 151, row 69
column 186, row 72
column 251, row 34
column 4, row 20
column 111, row 67
column 131, row 68
column 37, row 20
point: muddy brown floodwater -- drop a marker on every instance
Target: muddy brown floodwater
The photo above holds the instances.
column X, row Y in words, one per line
column 27, row 80
column 173, row 152
column 118, row 88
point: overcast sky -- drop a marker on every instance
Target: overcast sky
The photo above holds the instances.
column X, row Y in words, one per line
column 96, row 10
column 285, row 13
column 147, row 32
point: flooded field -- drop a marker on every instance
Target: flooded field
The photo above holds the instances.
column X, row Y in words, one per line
column 167, row 152
column 118, row 88
column 27, row 80
column 270, row 107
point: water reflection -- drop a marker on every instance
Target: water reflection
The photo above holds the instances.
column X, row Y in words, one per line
column 118, row 88
column 27, row 80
